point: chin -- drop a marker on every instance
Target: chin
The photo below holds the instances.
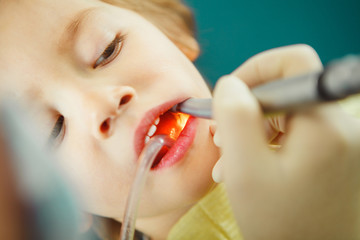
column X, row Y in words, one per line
column 186, row 182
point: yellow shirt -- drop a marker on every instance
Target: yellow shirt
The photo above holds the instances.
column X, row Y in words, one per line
column 210, row 219
column 351, row 105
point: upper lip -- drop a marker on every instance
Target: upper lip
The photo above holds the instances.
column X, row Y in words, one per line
column 148, row 119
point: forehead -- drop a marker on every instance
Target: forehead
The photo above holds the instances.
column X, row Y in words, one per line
column 29, row 22
column 29, row 32
column 22, row 34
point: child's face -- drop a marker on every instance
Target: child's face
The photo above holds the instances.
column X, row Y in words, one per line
column 59, row 68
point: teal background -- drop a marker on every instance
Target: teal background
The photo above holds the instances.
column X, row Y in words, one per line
column 231, row 31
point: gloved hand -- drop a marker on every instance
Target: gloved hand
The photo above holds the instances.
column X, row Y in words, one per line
column 307, row 189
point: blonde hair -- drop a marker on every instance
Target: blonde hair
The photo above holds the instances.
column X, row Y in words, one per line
column 176, row 21
column 172, row 17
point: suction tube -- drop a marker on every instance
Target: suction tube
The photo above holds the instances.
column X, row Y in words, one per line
column 146, row 159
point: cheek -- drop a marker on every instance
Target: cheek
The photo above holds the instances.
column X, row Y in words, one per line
column 205, row 155
column 100, row 184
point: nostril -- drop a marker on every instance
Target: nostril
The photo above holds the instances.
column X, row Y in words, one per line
column 125, row 99
column 105, row 126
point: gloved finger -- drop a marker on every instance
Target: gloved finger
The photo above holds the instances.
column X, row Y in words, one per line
column 240, row 124
column 217, row 140
column 278, row 63
column 217, row 172
column 306, row 131
column 274, row 126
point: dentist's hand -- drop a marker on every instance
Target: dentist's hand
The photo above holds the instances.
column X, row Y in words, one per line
column 310, row 187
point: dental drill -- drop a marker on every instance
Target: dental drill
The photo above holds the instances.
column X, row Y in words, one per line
column 337, row 81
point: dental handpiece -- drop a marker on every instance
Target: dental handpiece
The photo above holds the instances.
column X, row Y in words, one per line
column 337, row 81
column 146, row 159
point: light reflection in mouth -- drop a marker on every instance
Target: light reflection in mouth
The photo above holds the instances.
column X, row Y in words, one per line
column 160, row 120
column 170, row 124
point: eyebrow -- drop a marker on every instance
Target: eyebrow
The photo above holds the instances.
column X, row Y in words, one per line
column 72, row 29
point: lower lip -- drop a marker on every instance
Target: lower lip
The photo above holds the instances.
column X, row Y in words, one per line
column 181, row 146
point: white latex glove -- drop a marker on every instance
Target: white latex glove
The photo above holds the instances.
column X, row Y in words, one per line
column 308, row 189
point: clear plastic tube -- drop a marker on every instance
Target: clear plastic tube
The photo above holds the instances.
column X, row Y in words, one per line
column 146, row 159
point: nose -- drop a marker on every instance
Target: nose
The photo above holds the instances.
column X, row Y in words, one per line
column 107, row 106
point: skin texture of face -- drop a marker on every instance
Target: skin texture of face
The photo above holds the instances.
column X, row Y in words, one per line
column 47, row 62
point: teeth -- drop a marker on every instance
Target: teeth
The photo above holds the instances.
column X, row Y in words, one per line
column 157, row 121
column 151, row 131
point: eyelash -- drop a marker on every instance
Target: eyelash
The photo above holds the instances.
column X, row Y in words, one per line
column 59, row 128
column 110, row 53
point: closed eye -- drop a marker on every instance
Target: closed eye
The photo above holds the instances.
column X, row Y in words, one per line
column 110, row 53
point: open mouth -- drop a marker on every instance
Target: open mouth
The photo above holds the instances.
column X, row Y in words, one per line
column 178, row 126
column 170, row 124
